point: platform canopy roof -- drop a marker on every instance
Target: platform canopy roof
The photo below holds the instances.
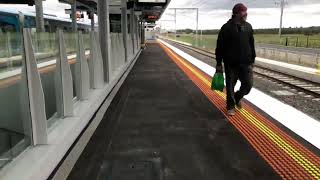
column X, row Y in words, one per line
column 29, row 2
column 151, row 10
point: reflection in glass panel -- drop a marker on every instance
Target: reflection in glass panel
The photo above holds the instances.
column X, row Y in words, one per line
column 130, row 47
column 71, row 40
column 10, row 51
column 113, row 62
column 113, row 56
column 44, row 45
column 117, row 58
column 86, row 41
column 15, row 123
column 121, row 47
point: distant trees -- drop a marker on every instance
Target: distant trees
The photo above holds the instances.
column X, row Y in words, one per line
column 186, row 31
column 297, row 30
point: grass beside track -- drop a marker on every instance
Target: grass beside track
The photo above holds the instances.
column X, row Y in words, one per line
column 208, row 42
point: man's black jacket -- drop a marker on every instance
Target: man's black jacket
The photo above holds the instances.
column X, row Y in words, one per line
column 235, row 45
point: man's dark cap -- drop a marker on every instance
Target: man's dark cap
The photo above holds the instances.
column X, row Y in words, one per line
column 240, row 9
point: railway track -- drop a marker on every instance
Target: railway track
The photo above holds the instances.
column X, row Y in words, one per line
column 296, row 83
column 280, row 77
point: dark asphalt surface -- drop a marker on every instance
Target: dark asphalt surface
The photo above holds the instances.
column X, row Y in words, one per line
column 160, row 126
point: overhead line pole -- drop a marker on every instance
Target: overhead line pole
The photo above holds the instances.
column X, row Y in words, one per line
column 165, row 24
column 197, row 38
column 197, row 19
column 175, row 24
column 281, row 16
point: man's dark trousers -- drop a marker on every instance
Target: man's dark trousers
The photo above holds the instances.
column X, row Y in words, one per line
column 245, row 75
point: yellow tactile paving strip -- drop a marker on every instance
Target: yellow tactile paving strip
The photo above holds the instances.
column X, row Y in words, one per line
column 284, row 154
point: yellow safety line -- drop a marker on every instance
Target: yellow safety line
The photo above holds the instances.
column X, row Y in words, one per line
column 294, row 154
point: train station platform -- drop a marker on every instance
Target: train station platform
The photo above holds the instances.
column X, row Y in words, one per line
column 166, row 123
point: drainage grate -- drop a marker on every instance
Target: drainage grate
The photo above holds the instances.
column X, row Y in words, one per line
column 135, row 170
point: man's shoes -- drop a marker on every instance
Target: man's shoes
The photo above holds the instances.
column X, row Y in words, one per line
column 239, row 105
column 231, row 112
column 237, row 101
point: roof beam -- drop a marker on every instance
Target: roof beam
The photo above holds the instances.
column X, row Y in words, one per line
column 28, row 2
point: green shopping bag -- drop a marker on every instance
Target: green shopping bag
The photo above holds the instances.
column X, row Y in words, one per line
column 217, row 82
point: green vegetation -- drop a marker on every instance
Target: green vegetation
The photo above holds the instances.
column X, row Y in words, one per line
column 297, row 30
column 208, row 42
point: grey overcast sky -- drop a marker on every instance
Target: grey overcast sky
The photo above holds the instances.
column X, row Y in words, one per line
column 262, row 13
column 214, row 13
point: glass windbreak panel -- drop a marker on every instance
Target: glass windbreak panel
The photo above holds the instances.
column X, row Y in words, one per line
column 121, row 49
column 44, row 45
column 113, row 55
column 15, row 123
column 46, row 49
column 117, row 51
column 10, row 51
column 71, row 40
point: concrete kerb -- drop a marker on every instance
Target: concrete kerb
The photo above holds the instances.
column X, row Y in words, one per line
column 292, row 72
column 309, row 59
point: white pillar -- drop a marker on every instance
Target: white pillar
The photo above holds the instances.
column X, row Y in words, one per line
column 92, row 20
column 39, row 16
column 104, row 35
column 124, row 27
column 132, row 28
column 143, row 36
column 74, row 16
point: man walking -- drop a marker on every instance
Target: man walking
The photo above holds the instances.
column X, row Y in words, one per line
column 235, row 47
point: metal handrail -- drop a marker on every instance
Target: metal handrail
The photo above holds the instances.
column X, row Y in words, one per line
column 11, row 131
